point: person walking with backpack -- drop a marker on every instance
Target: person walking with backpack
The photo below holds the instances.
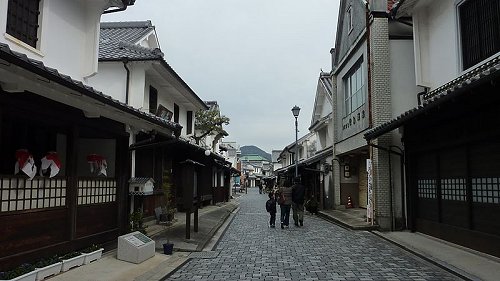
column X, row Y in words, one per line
column 271, row 209
column 298, row 194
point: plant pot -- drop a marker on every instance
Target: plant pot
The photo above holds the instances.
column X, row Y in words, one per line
column 72, row 262
column 168, row 248
column 92, row 256
column 48, row 270
column 30, row 276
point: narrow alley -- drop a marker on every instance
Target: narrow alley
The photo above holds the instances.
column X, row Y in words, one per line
column 250, row 250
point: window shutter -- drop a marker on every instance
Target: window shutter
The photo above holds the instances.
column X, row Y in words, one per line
column 480, row 30
column 22, row 20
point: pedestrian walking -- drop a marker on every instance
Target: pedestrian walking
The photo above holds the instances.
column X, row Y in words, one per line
column 298, row 194
column 285, row 201
column 271, row 209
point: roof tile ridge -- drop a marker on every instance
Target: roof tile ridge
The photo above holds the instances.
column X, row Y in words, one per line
column 137, row 48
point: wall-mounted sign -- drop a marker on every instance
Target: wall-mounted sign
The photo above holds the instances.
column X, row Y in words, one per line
column 369, row 206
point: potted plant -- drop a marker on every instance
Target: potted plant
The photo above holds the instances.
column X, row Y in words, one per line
column 24, row 272
column 92, row 253
column 47, row 267
column 71, row 260
column 136, row 222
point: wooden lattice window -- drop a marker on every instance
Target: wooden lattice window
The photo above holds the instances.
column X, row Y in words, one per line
column 153, row 99
column 486, row 190
column 454, row 189
column 22, row 20
column 480, row 30
column 96, row 191
column 19, row 193
column 426, row 189
column 189, row 125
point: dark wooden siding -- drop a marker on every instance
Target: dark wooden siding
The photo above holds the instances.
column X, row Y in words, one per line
column 453, row 154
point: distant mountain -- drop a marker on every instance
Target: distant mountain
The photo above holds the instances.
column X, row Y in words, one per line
column 252, row 149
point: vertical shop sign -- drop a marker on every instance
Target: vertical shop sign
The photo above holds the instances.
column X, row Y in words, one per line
column 369, row 206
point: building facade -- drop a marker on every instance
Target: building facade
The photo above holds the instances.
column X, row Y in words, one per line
column 450, row 138
column 372, row 80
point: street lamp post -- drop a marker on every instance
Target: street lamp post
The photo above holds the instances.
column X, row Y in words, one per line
column 295, row 111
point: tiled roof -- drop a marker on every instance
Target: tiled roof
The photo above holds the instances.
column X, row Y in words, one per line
column 327, row 83
column 130, row 31
column 441, row 94
column 140, row 180
column 120, row 40
column 52, row 74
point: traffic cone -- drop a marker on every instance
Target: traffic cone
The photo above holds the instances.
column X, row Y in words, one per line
column 349, row 202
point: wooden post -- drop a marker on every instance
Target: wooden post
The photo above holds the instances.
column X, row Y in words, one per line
column 196, row 218
column 188, row 224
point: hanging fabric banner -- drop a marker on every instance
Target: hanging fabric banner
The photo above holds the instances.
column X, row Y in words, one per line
column 50, row 161
column 369, row 206
column 25, row 163
column 98, row 164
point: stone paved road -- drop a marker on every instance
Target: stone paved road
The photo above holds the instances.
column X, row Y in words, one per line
column 320, row 250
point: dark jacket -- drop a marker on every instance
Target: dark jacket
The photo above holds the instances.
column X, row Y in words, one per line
column 271, row 205
column 298, row 193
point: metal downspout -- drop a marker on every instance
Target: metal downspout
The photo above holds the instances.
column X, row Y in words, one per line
column 127, row 86
column 368, row 62
column 391, row 208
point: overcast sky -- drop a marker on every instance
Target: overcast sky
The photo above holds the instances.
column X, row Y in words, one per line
column 256, row 58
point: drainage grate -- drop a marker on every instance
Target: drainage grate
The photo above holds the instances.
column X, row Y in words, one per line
column 203, row 255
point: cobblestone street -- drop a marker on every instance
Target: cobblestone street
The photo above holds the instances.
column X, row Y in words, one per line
column 250, row 250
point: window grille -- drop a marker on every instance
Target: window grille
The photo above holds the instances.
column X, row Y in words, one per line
column 19, row 193
column 189, row 127
column 153, row 99
column 426, row 189
column 22, row 20
column 96, row 191
column 480, row 30
column 453, row 189
column 486, row 190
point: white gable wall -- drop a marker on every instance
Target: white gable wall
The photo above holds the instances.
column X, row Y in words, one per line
column 436, row 43
column 402, row 82
column 111, row 80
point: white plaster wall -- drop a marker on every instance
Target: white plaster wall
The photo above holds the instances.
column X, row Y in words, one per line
column 403, row 88
column 68, row 32
column 326, row 107
column 111, row 79
column 436, row 43
column 137, row 86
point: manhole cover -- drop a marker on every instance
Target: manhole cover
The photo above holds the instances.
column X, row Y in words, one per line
column 203, row 255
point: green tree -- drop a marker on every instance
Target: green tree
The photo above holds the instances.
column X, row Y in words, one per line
column 209, row 122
